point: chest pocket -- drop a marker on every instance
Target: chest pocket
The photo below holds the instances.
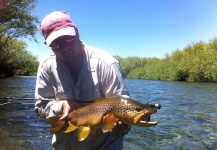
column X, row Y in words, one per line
column 86, row 88
column 62, row 85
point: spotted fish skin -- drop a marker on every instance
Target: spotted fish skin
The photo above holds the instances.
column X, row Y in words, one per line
column 124, row 110
column 105, row 113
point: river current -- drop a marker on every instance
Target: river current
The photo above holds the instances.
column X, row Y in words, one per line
column 187, row 118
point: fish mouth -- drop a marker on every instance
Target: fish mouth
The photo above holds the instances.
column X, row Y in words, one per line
column 144, row 119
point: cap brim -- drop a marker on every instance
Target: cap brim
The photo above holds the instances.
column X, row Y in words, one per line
column 61, row 32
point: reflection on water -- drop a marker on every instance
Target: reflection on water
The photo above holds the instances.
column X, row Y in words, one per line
column 187, row 118
column 20, row 127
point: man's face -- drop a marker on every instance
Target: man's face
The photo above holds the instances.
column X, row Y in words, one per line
column 66, row 48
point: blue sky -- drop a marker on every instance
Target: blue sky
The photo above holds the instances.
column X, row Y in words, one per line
column 144, row 28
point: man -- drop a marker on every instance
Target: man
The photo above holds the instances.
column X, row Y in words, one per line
column 76, row 71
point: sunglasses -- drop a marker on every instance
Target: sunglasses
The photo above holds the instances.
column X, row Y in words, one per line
column 56, row 45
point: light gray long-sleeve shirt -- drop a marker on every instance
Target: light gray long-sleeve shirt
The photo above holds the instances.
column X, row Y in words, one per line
column 100, row 76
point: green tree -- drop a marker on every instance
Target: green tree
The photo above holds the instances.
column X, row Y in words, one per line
column 196, row 62
column 16, row 22
column 17, row 60
column 16, row 19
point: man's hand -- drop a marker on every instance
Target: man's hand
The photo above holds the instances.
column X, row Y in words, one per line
column 121, row 126
column 67, row 107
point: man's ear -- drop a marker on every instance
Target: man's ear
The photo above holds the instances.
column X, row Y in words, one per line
column 77, row 33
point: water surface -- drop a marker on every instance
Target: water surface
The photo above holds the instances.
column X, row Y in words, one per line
column 187, row 118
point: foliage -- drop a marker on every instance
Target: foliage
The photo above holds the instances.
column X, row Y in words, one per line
column 196, row 62
column 16, row 60
column 17, row 22
column 16, row 19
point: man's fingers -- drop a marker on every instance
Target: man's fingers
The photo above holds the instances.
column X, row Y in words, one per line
column 64, row 117
column 120, row 126
column 65, row 110
column 67, row 107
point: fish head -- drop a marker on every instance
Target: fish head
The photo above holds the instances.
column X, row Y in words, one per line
column 133, row 112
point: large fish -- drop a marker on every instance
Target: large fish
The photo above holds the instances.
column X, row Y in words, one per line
column 104, row 113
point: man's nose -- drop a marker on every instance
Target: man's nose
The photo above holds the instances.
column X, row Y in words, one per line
column 64, row 46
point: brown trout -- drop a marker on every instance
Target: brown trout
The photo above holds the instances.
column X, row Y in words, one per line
column 104, row 113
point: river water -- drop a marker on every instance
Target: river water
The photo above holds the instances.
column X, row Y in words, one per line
column 187, row 118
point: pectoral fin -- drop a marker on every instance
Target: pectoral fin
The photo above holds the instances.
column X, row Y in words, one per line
column 83, row 132
column 109, row 121
column 138, row 116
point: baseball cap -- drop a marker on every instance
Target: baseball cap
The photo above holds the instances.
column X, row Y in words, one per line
column 56, row 24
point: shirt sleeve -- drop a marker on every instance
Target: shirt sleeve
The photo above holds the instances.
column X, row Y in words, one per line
column 44, row 90
column 113, row 82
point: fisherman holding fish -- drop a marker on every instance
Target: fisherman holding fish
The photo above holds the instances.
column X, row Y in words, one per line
column 72, row 77
column 76, row 72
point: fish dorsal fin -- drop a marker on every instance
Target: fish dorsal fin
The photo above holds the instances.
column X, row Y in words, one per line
column 70, row 128
column 109, row 121
column 83, row 132
column 56, row 125
column 138, row 116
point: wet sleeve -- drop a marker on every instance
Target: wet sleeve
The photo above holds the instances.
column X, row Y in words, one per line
column 44, row 90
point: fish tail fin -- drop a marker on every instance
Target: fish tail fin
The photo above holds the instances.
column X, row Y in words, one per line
column 56, row 124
